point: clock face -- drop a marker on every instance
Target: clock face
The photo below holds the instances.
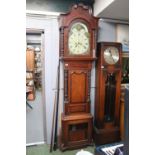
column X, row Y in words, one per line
column 111, row 55
column 79, row 40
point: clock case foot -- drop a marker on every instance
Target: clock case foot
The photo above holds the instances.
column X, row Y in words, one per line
column 104, row 136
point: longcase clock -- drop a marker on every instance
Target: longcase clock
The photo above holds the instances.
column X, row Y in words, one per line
column 108, row 88
column 78, row 30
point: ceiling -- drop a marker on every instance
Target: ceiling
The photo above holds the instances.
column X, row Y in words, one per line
column 117, row 9
column 54, row 5
column 112, row 9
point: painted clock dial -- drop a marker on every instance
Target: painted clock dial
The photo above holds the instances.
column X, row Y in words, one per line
column 111, row 55
column 79, row 40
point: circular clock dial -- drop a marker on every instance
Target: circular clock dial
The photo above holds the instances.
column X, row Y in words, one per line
column 78, row 42
column 111, row 55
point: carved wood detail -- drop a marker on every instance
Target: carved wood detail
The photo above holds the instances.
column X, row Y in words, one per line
column 66, row 86
column 94, row 40
column 89, row 85
column 61, row 41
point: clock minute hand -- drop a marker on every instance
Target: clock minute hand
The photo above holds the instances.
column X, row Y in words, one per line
column 111, row 55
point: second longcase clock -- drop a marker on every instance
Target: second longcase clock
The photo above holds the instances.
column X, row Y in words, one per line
column 78, row 30
column 108, row 87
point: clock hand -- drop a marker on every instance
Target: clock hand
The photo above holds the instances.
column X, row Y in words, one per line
column 111, row 55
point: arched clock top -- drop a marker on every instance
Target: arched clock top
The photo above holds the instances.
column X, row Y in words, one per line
column 78, row 34
column 82, row 12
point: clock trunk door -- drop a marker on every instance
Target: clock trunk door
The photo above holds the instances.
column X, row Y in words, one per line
column 77, row 91
column 78, row 87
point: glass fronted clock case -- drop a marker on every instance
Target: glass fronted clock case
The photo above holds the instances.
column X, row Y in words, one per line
column 108, row 89
column 78, row 30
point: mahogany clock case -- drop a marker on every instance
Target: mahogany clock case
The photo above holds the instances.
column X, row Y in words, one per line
column 107, row 99
column 76, row 118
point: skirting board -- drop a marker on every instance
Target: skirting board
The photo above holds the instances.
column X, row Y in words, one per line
column 37, row 143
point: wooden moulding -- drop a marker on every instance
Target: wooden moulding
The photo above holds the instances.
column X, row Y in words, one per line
column 77, row 108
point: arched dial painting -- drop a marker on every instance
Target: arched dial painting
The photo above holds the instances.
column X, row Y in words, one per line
column 79, row 41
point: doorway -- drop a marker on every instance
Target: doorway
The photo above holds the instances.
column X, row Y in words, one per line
column 35, row 107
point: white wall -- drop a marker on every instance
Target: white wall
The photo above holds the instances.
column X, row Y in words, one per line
column 106, row 31
column 111, row 30
column 51, row 53
column 100, row 5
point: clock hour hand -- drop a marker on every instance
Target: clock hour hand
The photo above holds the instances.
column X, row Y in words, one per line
column 111, row 55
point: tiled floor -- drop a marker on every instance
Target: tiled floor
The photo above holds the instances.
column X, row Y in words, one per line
column 44, row 150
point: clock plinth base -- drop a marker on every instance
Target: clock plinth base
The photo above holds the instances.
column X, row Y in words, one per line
column 105, row 136
column 76, row 131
